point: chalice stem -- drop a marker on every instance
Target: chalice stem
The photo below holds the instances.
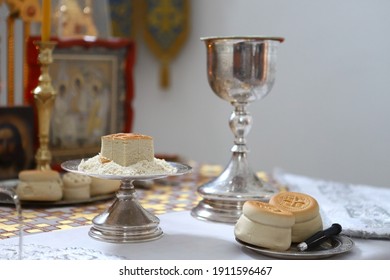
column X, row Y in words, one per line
column 240, row 123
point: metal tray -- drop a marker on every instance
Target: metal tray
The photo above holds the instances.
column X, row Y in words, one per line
column 6, row 200
column 335, row 245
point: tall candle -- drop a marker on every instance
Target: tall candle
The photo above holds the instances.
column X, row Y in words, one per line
column 46, row 25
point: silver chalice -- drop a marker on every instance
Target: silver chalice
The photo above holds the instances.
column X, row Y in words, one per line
column 240, row 70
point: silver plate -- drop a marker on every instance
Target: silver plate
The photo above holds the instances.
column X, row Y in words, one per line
column 31, row 203
column 335, row 245
column 72, row 166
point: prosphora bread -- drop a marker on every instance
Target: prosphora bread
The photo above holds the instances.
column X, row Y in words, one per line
column 306, row 211
column 39, row 185
column 265, row 225
column 103, row 186
column 303, row 230
column 126, row 149
column 76, row 186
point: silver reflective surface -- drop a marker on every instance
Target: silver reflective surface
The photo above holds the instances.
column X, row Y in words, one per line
column 240, row 70
column 72, row 166
column 337, row 244
column 126, row 221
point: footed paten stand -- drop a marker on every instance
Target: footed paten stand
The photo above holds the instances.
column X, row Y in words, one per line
column 126, row 221
column 240, row 70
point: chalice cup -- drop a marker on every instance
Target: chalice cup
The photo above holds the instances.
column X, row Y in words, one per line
column 240, row 70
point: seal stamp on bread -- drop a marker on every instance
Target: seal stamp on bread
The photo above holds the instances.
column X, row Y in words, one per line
column 302, row 205
column 261, row 212
column 305, row 209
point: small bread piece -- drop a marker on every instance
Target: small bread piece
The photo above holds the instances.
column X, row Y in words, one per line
column 76, row 186
column 38, row 175
column 265, row 225
column 126, row 149
column 305, row 209
column 103, row 186
column 39, row 185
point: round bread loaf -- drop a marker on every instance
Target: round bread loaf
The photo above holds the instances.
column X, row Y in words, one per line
column 266, row 236
column 264, row 213
column 265, row 225
column 306, row 211
column 301, row 231
column 103, row 186
column 74, row 180
column 303, row 206
column 38, row 175
column 76, row 186
column 77, row 193
column 39, row 185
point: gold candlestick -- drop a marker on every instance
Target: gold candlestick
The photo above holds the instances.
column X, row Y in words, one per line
column 44, row 97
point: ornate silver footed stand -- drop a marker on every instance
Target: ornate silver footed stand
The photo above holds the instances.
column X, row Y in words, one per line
column 126, row 221
column 240, row 70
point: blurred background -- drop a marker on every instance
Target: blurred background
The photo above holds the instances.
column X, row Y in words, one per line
column 327, row 115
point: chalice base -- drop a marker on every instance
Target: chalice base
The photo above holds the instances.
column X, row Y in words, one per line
column 125, row 221
column 224, row 196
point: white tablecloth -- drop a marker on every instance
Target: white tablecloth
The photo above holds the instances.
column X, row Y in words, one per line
column 363, row 211
column 184, row 238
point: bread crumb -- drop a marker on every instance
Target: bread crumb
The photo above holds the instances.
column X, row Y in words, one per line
column 94, row 165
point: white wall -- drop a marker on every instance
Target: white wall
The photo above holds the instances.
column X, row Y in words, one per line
column 327, row 115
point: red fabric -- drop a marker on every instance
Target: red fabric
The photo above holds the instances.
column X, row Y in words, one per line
column 34, row 68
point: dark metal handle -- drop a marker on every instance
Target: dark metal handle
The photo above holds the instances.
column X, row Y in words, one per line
column 319, row 237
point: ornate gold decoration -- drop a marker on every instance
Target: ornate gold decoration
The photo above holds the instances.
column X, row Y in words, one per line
column 44, row 97
column 73, row 21
column 125, row 16
column 166, row 26
column 14, row 8
column 28, row 11
column 10, row 58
